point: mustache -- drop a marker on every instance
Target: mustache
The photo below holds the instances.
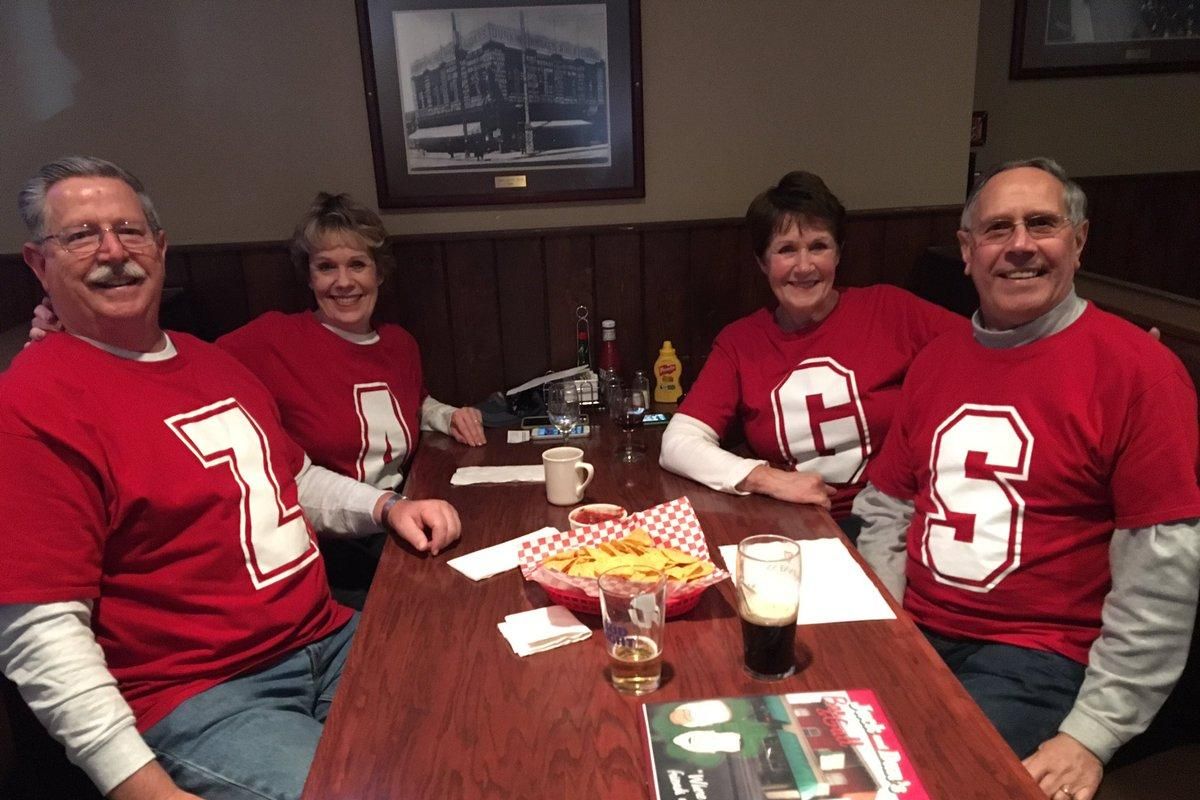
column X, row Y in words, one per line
column 115, row 274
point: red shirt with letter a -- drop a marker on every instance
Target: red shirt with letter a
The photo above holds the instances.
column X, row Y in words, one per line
column 819, row 399
column 164, row 491
column 355, row 408
column 1021, row 462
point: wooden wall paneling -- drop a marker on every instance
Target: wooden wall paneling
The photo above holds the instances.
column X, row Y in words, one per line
column 416, row 297
column 905, row 240
column 863, row 251
column 217, row 290
column 1149, row 231
column 474, row 319
column 618, row 278
column 271, row 282
column 1109, row 250
column 943, row 229
column 521, row 292
column 665, row 305
column 1101, row 232
column 753, row 291
column 713, row 273
column 179, row 311
column 569, row 283
column 1181, row 261
column 21, row 292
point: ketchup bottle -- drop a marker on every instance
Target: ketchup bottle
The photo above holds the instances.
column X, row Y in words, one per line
column 609, row 362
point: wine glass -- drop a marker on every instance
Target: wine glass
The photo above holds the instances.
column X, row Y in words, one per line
column 627, row 405
column 562, row 406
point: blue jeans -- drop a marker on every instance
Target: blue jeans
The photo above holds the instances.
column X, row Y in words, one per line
column 253, row 737
column 1025, row 693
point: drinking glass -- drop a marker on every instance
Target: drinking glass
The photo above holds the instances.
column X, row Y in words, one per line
column 627, row 405
column 562, row 406
column 768, row 593
column 634, row 610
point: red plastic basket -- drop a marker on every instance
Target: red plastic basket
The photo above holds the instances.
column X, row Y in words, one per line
column 586, row 604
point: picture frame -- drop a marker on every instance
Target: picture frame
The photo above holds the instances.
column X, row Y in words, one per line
column 1058, row 38
column 484, row 102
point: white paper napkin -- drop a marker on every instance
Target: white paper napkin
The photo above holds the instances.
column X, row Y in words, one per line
column 833, row 587
column 523, row 473
column 542, row 629
column 518, row 437
column 495, row 559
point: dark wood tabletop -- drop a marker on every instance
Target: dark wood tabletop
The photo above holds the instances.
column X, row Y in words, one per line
column 434, row 704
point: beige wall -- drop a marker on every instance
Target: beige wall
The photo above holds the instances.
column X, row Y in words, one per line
column 235, row 112
column 1115, row 125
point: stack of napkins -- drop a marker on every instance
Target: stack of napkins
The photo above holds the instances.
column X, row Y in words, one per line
column 523, row 473
column 833, row 587
column 542, row 629
column 495, row 559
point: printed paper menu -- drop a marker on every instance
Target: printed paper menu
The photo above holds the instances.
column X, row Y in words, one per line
column 837, row 745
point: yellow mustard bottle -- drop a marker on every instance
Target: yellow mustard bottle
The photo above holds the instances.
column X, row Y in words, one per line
column 667, row 371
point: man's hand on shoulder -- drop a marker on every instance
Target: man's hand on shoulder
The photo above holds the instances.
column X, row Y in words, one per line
column 151, row 782
column 789, row 485
column 44, row 321
column 1064, row 769
column 428, row 525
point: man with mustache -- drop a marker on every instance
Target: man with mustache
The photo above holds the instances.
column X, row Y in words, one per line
column 1036, row 505
column 163, row 606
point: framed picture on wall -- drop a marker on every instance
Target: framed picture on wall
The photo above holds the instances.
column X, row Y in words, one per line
column 477, row 102
column 1064, row 38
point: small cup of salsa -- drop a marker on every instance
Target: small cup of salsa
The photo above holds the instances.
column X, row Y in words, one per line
column 594, row 514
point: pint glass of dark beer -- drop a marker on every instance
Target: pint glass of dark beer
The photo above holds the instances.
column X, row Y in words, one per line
column 768, row 590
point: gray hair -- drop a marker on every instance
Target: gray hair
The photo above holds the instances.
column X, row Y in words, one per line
column 1074, row 200
column 32, row 199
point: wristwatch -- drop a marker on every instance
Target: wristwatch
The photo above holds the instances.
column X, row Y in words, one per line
column 387, row 507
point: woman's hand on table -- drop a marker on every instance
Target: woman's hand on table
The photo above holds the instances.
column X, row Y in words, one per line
column 788, row 485
column 1065, row 769
column 428, row 525
column 466, row 426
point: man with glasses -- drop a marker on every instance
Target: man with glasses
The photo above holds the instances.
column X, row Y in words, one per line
column 1036, row 504
column 163, row 605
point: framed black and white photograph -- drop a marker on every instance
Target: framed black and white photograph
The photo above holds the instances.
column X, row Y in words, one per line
column 1064, row 38
column 476, row 102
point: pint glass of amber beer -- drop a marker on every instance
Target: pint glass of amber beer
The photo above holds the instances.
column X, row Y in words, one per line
column 768, row 591
column 634, row 608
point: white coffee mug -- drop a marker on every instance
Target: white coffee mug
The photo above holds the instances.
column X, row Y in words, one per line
column 567, row 475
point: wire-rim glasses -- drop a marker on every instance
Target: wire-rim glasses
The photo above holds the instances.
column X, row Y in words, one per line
column 84, row 240
column 1038, row 226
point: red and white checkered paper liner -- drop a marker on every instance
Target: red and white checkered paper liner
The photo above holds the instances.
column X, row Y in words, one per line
column 672, row 524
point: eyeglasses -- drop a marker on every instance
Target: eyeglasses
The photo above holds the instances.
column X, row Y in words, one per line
column 85, row 239
column 1039, row 226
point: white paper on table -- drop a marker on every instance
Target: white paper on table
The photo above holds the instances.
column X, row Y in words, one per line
column 542, row 629
column 518, row 437
column 543, row 379
column 833, row 587
column 522, row 473
column 495, row 559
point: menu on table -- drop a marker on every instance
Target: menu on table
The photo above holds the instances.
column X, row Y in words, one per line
column 836, row 744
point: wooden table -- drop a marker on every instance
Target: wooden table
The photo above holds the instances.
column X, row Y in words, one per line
column 434, row 704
